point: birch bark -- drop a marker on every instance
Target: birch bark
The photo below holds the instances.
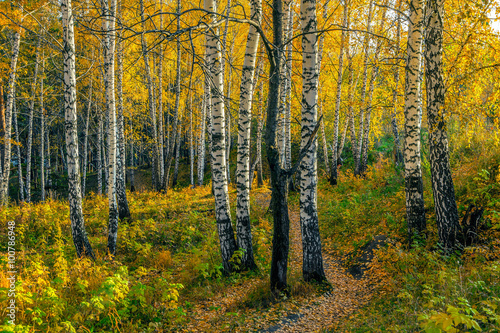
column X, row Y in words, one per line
column 336, row 151
column 11, row 86
column 312, row 267
column 442, row 181
column 121, row 194
column 80, row 239
column 219, row 172
column 415, row 212
column 30, row 124
column 244, row 234
column 152, row 109
column 109, row 11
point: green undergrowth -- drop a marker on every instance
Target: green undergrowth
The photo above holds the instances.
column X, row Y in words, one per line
column 168, row 258
column 419, row 289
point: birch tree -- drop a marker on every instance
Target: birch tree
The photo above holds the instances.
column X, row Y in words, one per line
column 244, row 235
column 336, row 152
column 442, row 182
column 312, row 267
column 18, row 153
column 152, row 108
column 175, row 122
column 4, row 179
column 30, row 124
column 219, row 172
column 415, row 213
column 86, row 139
column 366, row 50
column 121, row 194
column 109, row 10
column 375, row 72
column 201, row 145
column 80, row 239
column 42, row 135
column 398, row 158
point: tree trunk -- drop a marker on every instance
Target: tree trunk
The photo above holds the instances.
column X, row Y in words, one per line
column 366, row 50
column 228, row 99
column 312, row 267
column 415, row 213
column 260, row 178
column 121, row 194
column 42, row 135
column 244, row 234
column 99, row 155
column 320, row 100
column 30, row 124
column 201, row 146
column 18, row 147
column 336, row 151
column 4, row 179
column 366, row 131
column 279, row 177
column 49, row 167
column 82, row 244
column 442, row 181
column 175, row 121
column 177, row 154
column 398, row 157
column 219, row 172
column 109, row 11
column 152, row 110
column 132, row 162
column 86, row 140
column 2, row 129
column 160, row 107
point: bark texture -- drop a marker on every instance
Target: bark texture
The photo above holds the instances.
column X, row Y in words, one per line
column 442, row 182
column 219, row 172
column 312, row 267
column 336, row 152
column 11, row 86
column 121, row 194
column 415, row 213
column 80, row 239
column 244, row 234
column 109, row 10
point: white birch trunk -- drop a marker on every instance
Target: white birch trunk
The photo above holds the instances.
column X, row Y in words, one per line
column 415, row 213
column 86, row 140
column 398, row 158
column 366, row 49
column 244, row 234
column 18, row 152
column 201, row 145
column 30, row 124
column 336, row 151
column 5, row 175
column 109, row 10
column 42, row 135
column 442, row 181
column 121, row 194
column 375, row 72
column 82, row 244
column 152, row 108
column 312, row 267
column 99, row 155
column 219, row 174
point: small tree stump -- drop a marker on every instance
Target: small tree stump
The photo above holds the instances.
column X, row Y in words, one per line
column 470, row 225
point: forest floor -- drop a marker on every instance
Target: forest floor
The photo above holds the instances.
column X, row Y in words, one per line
column 167, row 274
column 310, row 312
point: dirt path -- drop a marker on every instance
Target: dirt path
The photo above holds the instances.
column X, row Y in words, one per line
column 320, row 313
column 222, row 313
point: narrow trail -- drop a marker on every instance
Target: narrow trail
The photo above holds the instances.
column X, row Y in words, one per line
column 323, row 312
column 311, row 313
